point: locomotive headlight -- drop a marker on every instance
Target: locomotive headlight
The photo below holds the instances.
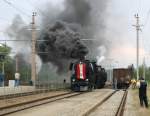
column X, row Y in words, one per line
column 87, row 79
column 73, row 80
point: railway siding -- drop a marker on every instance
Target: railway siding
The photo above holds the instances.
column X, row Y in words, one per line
column 32, row 101
column 73, row 106
column 24, row 99
column 82, row 104
column 110, row 107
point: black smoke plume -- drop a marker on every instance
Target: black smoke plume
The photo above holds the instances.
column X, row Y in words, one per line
column 62, row 31
column 63, row 34
column 60, row 45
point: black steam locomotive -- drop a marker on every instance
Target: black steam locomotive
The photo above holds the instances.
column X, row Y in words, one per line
column 87, row 75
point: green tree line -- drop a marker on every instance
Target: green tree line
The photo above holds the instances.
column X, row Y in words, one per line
column 10, row 66
column 141, row 72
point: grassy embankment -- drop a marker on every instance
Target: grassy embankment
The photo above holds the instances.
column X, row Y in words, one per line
column 142, row 111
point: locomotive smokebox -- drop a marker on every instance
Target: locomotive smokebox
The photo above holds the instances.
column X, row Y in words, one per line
column 86, row 73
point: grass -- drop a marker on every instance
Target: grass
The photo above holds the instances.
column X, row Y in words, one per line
column 141, row 111
column 148, row 83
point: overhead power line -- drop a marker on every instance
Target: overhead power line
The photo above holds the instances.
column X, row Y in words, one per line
column 16, row 8
column 4, row 19
column 39, row 40
column 147, row 17
column 139, row 8
column 40, row 11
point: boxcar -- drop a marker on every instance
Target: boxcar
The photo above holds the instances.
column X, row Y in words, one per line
column 121, row 78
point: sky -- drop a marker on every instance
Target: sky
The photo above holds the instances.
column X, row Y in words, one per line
column 120, row 27
column 119, row 21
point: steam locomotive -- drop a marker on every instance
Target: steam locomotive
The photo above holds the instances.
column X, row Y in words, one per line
column 87, row 75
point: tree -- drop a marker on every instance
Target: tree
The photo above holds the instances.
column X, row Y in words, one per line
column 10, row 65
column 141, row 71
column 4, row 52
column 5, row 62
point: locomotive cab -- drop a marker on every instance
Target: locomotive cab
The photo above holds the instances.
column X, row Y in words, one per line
column 81, row 79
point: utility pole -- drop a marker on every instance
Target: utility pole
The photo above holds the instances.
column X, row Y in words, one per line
column 33, row 63
column 137, row 26
column 144, row 67
column 17, row 63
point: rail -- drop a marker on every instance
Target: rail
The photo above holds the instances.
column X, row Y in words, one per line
column 122, row 104
column 98, row 104
column 29, row 104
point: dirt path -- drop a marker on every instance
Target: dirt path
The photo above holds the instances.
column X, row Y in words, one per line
column 133, row 107
column 142, row 111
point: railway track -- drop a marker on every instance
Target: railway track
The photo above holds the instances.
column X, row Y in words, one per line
column 110, row 104
column 10, row 96
column 36, row 102
column 118, row 112
column 122, row 104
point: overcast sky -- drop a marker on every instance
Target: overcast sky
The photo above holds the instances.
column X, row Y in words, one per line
column 118, row 25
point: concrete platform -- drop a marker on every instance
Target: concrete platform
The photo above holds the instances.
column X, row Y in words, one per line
column 13, row 90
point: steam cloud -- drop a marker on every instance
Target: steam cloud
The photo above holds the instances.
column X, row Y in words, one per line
column 18, row 30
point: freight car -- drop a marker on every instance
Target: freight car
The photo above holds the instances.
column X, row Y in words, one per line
column 87, row 75
column 122, row 78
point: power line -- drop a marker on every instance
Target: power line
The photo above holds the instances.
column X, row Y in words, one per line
column 3, row 19
column 147, row 17
column 13, row 40
column 40, row 11
column 17, row 9
column 139, row 6
column 21, row 40
column 13, row 52
column 145, row 24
